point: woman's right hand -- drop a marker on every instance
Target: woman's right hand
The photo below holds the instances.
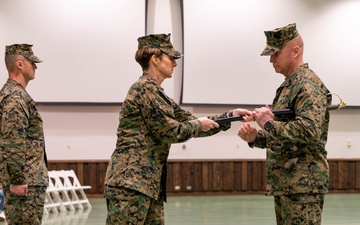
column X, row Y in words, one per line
column 208, row 124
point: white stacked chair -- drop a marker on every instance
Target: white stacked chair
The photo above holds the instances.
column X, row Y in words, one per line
column 53, row 202
column 79, row 189
column 75, row 189
column 65, row 192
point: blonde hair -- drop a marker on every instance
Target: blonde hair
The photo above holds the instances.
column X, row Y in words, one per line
column 143, row 55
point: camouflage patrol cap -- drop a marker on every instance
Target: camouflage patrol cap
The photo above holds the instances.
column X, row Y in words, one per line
column 160, row 41
column 22, row 49
column 277, row 39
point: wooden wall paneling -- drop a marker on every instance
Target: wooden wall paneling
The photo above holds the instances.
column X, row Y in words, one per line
column 187, row 176
column 333, row 175
column 264, row 176
column 63, row 165
column 177, row 180
column 237, row 176
column 80, row 173
column 352, row 175
column 102, row 167
column 91, row 176
column 211, row 175
column 198, row 177
column 249, row 176
column 72, row 166
column 205, row 176
column 214, row 176
column 343, row 175
column 244, row 176
column 217, row 173
column 357, row 176
column 170, row 178
column 256, row 176
column 228, row 176
column 60, row 165
column 51, row 166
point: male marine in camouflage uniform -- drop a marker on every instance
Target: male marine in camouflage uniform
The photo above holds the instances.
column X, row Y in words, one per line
column 150, row 121
column 297, row 168
column 23, row 160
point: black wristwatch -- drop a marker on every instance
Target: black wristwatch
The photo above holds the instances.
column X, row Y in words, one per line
column 269, row 125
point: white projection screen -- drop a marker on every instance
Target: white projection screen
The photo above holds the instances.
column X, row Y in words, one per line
column 223, row 41
column 87, row 47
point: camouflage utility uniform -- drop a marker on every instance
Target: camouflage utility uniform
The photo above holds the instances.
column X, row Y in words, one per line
column 297, row 168
column 23, row 159
column 149, row 123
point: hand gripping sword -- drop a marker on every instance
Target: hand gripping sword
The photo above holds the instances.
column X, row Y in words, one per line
column 280, row 112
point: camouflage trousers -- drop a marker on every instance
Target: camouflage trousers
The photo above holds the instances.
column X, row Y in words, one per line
column 299, row 209
column 129, row 207
column 25, row 210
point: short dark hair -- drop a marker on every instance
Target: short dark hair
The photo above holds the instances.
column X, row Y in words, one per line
column 10, row 61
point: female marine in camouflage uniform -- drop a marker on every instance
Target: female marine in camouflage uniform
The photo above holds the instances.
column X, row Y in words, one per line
column 150, row 121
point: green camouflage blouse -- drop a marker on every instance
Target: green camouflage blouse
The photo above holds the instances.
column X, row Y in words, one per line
column 22, row 144
column 149, row 123
column 296, row 155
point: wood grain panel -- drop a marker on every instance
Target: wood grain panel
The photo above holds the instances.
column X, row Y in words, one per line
column 198, row 177
column 188, row 176
column 205, row 176
column 214, row 176
column 177, row 176
column 357, row 175
column 238, row 176
column 333, row 175
column 256, row 178
column 102, row 167
column 244, row 176
column 217, row 173
column 264, row 176
column 228, row 176
column 91, row 176
column 352, row 175
column 343, row 175
column 170, row 178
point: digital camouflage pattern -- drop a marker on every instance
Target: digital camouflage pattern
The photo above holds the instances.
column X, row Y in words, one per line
column 149, row 123
column 22, row 49
column 23, row 158
column 126, row 206
column 299, row 209
column 22, row 143
column 277, row 39
column 160, row 41
column 296, row 156
column 33, row 204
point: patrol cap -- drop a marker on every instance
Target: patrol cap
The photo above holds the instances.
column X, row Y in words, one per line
column 277, row 39
column 160, row 41
column 22, row 49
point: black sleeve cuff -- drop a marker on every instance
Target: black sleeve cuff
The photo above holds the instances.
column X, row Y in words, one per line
column 251, row 144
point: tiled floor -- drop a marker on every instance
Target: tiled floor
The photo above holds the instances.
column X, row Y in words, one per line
column 339, row 209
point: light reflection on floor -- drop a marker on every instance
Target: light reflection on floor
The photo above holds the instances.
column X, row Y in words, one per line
column 339, row 209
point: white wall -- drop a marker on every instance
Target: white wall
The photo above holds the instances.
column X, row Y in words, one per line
column 229, row 38
column 83, row 43
column 89, row 132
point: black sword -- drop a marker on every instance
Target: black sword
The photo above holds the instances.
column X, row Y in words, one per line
column 276, row 112
column 280, row 112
